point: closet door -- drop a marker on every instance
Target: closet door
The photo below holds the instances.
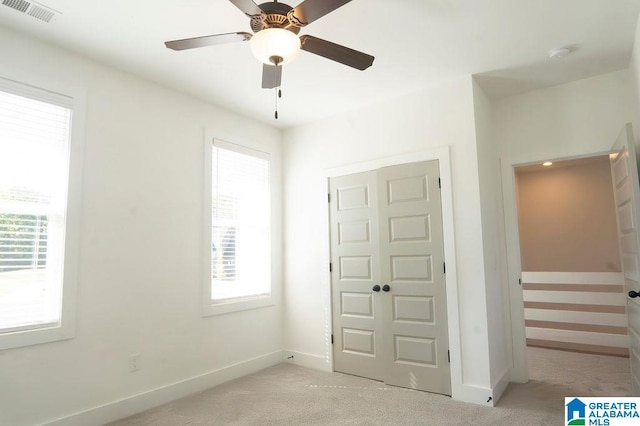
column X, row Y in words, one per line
column 414, row 306
column 355, row 259
column 388, row 283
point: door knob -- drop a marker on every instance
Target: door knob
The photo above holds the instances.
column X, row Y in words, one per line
column 634, row 294
column 376, row 288
column 387, row 288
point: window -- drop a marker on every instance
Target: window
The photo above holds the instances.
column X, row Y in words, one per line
column 239, row 270
column 37, row 286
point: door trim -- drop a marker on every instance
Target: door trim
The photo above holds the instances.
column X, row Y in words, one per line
column 517, row 343
column 442, row 154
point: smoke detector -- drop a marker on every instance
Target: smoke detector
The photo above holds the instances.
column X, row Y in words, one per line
column 559, row 52
column 31, row 8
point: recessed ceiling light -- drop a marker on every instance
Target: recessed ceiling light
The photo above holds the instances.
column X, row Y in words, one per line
column 547, row 163
column 559, row 52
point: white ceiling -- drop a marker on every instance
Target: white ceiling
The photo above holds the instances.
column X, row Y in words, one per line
column 417, row 44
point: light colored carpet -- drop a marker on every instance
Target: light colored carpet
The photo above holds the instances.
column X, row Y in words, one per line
column 290, row 395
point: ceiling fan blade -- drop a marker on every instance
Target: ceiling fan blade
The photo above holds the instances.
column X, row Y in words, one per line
column 271, row 76
column 310, row 10
column 247, row 6
column 337, row 53
column 192, row 43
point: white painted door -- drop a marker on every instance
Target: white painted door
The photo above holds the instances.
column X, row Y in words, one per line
column 624, row 172
column 414, row 308
column 355, row 257
column 388, row 282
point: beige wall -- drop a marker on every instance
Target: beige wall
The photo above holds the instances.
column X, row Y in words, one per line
column 566, row 218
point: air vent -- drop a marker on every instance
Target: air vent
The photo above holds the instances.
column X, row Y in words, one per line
column 32, row 9
column 19, row 5
column 40, row 13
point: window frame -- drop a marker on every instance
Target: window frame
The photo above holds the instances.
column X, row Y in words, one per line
column 43, row 89
column 223, row 306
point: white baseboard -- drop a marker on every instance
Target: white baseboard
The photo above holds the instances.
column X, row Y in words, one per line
column 474, row 395
column 501, row 386
column 302, row 359
column 137, row 403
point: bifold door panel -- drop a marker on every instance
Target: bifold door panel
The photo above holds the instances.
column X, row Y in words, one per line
column 388, row 289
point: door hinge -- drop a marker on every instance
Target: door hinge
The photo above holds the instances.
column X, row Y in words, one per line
column 332, row 339
column 328, row 198
column 439, row 183
column 449, row 356
column 330, row 267
column 519, row 281
column 444, row 267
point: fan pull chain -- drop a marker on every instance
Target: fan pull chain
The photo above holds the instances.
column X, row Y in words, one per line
column 278, row 95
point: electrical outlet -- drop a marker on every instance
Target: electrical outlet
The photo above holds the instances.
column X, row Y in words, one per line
column 134, row 363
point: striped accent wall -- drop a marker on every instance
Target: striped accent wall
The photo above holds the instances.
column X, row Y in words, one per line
column 579, row 311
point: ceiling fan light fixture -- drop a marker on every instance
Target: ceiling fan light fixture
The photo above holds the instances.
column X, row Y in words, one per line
column 275, row 46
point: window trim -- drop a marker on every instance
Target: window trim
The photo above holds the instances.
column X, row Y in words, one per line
column 209, row 306
column 65, row 329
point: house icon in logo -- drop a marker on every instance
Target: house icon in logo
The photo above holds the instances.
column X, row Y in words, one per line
column 575, row 409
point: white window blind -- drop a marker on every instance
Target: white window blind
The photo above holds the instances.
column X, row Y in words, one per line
column 34, row 167
column 240, row 223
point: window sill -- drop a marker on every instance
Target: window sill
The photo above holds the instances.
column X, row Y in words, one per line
column 235, row 305
column 35, row 336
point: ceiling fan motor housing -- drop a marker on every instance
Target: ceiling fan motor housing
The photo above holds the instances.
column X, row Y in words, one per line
column 276, row 15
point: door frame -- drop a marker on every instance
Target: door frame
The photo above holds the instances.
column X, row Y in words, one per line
column 517, row 344
column 442, row 154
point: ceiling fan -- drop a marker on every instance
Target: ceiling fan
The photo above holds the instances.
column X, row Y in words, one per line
column 275, row 41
